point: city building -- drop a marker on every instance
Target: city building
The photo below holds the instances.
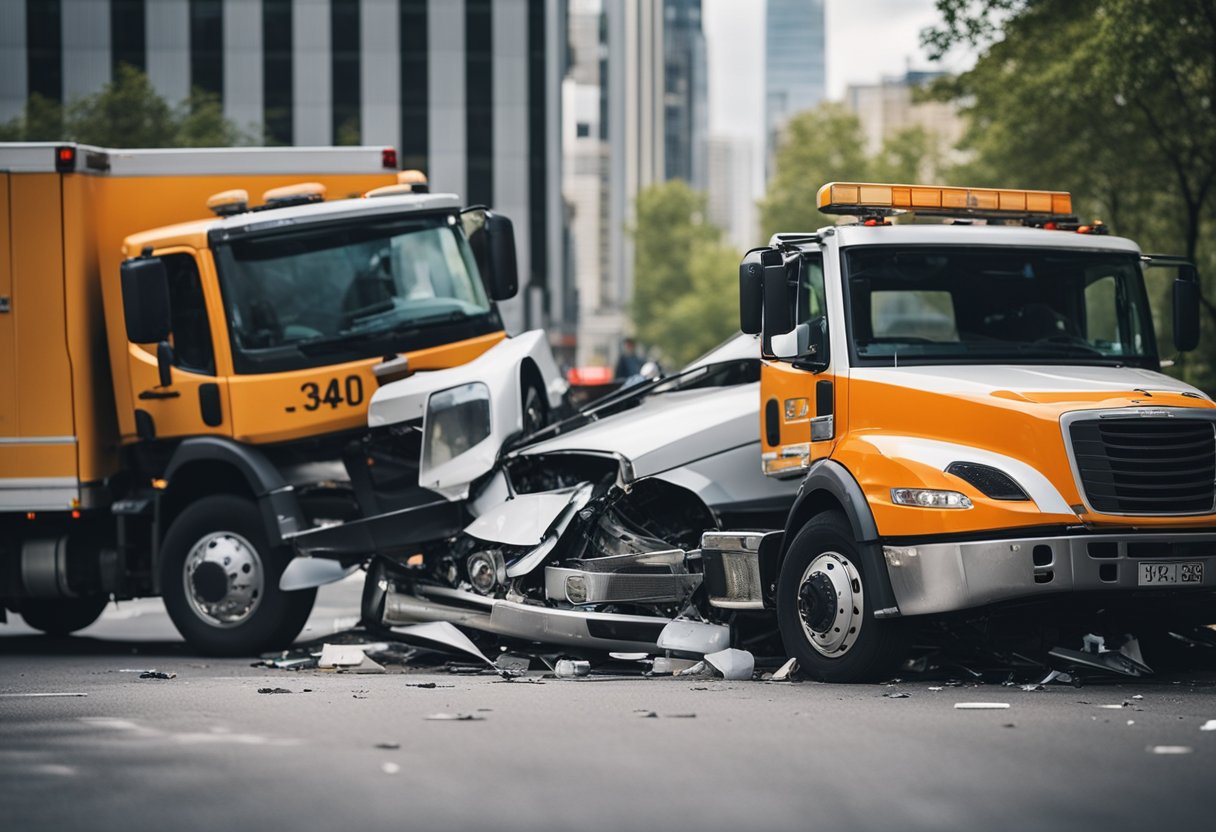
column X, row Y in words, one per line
column 686, row 92
column 795, row 76
column 731, row 191
column 466, row 90
column 614, row 147
column 892, row 105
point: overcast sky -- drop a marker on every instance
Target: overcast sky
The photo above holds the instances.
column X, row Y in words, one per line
column 866, row 39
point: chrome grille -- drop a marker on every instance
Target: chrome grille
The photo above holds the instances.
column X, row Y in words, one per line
column 1156, row 465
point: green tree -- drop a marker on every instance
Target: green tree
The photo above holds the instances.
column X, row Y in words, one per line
column 685, row 297
column 127, row 112
column 1114, row 100
column 821, row 145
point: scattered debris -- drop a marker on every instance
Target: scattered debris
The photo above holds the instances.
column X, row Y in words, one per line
column 936, row 687
column 37, row 695
column 667, row 666
column 1120, row 706
column 273, row 690
column 445, row 717
column 511, row 664
column 1095, row 655
column 444, row 634
column 351, row 657
column 156, row 674
column 644, row 714
column 694, row 669
column 981, row 706
column 1009, row 725
column 897, row 694
column 569, row 668
column 1034, row 687
column 1137, row 696
column 1169, row 749
column 1210, row 725
column 786, row 672
column 388, row 746
column 137, row 670
column 733, row 664
column 390, row 768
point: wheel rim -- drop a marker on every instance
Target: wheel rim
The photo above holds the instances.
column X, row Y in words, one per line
column 830, row 604
column 223, row 579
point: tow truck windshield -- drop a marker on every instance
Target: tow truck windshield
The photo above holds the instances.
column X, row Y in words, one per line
column 316, row 296
column 988, row 305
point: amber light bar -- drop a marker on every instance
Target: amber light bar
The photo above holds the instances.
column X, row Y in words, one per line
column 933, row 200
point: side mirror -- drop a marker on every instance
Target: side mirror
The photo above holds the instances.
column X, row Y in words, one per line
column 778, row 305
column 145, row 300
column 492, row 238
column 806, row 345
column 1186, row 309
column 751, row 292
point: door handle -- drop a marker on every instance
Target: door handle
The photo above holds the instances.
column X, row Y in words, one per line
column 159, row 394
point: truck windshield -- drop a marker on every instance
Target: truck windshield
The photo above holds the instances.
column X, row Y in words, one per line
column 927, row 305
column 324, row 294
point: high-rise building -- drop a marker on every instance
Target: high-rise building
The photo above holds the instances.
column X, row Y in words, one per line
column 891, row 105
column 730, row 191
column 686, row 92
column 466, row 90
column 614, row 147
column 795, row 76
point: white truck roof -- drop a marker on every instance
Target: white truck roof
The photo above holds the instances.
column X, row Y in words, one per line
column 976, row 235
column 40, row 157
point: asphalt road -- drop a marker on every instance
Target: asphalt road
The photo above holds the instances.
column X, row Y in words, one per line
column 206, row 751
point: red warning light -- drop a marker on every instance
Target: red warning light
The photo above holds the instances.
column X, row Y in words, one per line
column 75, row 514
column 65, row 159
column 388, row 158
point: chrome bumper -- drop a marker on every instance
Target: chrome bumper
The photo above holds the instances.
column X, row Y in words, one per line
column 944, row 577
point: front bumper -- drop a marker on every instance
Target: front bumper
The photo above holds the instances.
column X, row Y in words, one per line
column 945, row 577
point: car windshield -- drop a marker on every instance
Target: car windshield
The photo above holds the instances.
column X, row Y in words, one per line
column 927, row 305
column 333, row 290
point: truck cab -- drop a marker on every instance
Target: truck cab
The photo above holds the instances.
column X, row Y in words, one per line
column 976, row 412
column 183, row 391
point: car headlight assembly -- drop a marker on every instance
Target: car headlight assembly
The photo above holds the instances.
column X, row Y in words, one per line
column 456, row 419
column 929, row 498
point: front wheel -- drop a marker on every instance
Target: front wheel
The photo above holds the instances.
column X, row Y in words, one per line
column 220, row 580
column 825, row 620
column 61, row 616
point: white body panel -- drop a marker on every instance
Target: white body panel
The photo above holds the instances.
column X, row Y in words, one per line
column 985, row 380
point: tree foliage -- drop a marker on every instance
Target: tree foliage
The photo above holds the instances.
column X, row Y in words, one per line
column 1114, row 100
column 127, row 112
column 827, row 145
column 686, row 296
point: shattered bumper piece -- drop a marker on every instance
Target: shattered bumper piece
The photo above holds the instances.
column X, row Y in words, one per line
column 694, row 637
column 528, row 622
column 734, row 665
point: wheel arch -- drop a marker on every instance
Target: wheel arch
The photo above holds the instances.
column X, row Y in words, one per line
column 829, row 486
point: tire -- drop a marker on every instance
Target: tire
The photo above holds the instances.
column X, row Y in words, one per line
column 220, row 580
column 61, row 616
column 834, row 641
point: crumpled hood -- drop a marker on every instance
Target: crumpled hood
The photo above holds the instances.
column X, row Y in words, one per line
column 668, row 429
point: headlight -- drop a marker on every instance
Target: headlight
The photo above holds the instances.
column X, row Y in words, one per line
column 929, row 498
column 456, row 420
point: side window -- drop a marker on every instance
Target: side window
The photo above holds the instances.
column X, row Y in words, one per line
column 188, row 316
column 814, row 301
column 1101, row 313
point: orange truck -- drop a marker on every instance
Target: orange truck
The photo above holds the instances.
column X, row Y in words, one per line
column 177, row 390
column 976, row 412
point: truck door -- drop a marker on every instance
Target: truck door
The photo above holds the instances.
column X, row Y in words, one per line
column 798, row 417
column 196, row 400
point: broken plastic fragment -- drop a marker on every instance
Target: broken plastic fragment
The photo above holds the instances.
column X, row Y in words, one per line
column 1170, row 749
column 667, row 666
column 390, row 768
column 341, row 655
column 695, row 669
column 897, row 694
column 445, row 717
column 444, row 634
column 694, row 637
column 981, row 706
column 156, row 674
column 786, row 671
column 734, row 665
column 1210, row 725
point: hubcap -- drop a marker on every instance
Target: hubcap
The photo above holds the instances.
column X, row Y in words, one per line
column 223, row 579
column 830, row 604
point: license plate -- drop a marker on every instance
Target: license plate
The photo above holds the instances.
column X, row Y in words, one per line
column 1178, row 573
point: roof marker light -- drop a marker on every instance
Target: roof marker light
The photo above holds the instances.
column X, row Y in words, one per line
column 65, row 159
column 876, row 200
column 227, row 203
column 301, row 194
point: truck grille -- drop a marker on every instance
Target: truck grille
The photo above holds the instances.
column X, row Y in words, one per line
column 1146, row 465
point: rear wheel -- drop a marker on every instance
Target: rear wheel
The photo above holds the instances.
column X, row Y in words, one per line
column 60, row 616
column 826, row 622
column 220, row 580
